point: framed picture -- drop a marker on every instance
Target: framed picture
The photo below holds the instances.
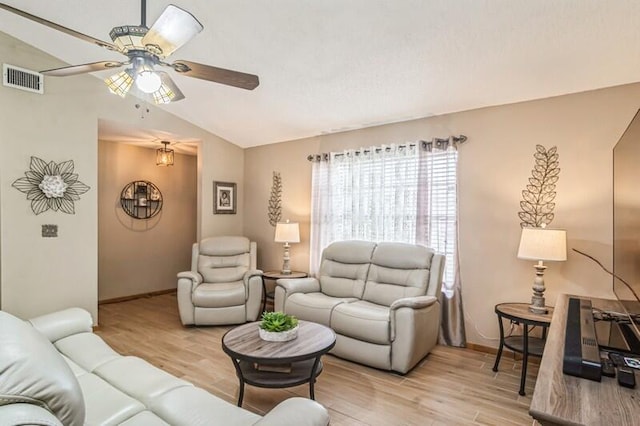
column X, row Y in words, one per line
column 224, row 198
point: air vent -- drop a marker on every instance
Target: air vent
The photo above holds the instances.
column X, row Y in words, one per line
column 587, row 341
column 23, row 79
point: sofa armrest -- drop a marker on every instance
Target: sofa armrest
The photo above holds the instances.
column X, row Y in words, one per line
column 60, row 324
column 299, row 285
column 250, row 274
column 296, row 412
column 195, row 277
column 287, row 287
column 415, row 322
column 253, row 286
column 26, row 414
column 417, row 302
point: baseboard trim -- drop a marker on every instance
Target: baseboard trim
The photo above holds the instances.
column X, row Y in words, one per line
column 481, row 348
column 136, row 296
column 493, row 351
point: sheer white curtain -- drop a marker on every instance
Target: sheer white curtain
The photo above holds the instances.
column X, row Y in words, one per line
column 363, row 194
column 401, row 193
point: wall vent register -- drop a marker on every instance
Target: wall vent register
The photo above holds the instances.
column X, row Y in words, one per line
column 23, row 79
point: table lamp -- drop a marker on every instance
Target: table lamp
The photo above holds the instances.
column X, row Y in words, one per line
column 287, row 233
column 542, row 244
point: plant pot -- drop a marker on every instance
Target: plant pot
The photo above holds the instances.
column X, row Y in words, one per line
column 280, row 336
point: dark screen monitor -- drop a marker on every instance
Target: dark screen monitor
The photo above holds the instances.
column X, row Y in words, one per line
column 626, row 236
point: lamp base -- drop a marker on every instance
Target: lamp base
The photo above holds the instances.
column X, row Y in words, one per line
column 537, row 306
column 537, row 300
column 286, row 261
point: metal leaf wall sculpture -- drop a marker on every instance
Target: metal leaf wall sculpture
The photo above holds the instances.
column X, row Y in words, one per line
column 275, row 200
column 537, row 199
column 51, row 186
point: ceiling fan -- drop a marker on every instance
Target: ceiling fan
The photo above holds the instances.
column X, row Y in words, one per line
column 146, row 48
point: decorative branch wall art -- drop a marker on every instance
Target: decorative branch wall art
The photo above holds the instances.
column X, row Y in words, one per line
column 537, row 199
column 51, row 186
column 275, row 200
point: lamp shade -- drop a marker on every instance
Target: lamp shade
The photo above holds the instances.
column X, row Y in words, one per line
column 543, row 244
column 287, row 233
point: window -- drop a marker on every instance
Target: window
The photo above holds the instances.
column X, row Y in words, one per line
column 401, row 193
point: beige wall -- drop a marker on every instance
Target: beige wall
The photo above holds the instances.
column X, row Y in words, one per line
column 494, row 167
column 41, row 275
column 137, row 256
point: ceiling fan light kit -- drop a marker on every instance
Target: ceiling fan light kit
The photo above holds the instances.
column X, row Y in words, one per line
column 147, row 48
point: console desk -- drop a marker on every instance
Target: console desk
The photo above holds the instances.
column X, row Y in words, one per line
column 559, row 399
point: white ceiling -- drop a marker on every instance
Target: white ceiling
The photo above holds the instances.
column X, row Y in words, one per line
column 332, row 65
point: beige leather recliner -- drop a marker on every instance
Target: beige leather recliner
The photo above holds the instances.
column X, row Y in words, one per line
column 380, row 299
column 223, row 286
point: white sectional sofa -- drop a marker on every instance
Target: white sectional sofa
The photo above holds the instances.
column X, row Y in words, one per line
column 55, row 371
column 382, row 300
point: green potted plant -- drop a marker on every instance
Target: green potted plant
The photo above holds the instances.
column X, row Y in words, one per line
column 278, row 327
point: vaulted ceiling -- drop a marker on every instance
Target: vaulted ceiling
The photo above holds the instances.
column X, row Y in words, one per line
column 332, row 65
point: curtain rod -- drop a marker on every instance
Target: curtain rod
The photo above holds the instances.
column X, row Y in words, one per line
column 435, row 142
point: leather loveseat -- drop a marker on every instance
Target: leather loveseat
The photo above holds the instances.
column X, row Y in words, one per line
column 380, row 299
column 56, row 371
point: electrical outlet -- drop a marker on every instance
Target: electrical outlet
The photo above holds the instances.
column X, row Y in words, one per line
column 49, row 231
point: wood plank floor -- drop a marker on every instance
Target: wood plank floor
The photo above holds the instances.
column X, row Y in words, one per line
column 450, row 386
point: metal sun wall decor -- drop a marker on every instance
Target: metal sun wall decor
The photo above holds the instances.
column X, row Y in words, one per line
column 537, row 199
column 51, row 186
column 275, row 200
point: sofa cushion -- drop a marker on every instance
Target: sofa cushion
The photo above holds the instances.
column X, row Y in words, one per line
column 315, row 307
column 223, row 259
column 219, row 295
column 224, row 246
column 139, row 379
column 144, row 418
column 191, row 406
column 344, row 267
column 397, row 270
column 363, row 321
column 87, row 350
column 32, row 371
column 105, row 404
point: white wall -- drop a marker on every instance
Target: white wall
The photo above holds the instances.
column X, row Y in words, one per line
column 138, row 256
column 41, row 275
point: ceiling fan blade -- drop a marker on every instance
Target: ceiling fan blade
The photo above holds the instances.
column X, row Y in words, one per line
column 170, row 86
column 82, row 69
column 172, row 30
column 218, row 75
column 59, row 27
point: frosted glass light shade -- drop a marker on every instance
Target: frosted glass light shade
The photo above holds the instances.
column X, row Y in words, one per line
column 287, row 233
column 543, row 244
column 148, row 81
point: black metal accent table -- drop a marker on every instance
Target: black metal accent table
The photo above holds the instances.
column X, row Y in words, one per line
column 276, row 275
column 247, row 350
column 519, row 313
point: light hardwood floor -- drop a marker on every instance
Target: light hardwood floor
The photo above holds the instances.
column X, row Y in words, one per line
column 450, row 386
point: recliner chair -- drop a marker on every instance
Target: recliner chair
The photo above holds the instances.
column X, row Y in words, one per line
column 223, row 286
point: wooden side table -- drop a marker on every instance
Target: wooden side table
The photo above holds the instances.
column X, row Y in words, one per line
column 276, row 275
column 302, row 354
column 519, row 313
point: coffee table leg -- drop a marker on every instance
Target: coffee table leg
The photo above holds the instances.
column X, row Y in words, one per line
column 236, row 364
column 312, row 378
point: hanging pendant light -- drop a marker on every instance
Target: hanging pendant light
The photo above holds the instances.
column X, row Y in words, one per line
column 164, row 155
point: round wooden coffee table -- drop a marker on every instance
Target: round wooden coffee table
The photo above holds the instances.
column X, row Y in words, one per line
column 277, row 364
